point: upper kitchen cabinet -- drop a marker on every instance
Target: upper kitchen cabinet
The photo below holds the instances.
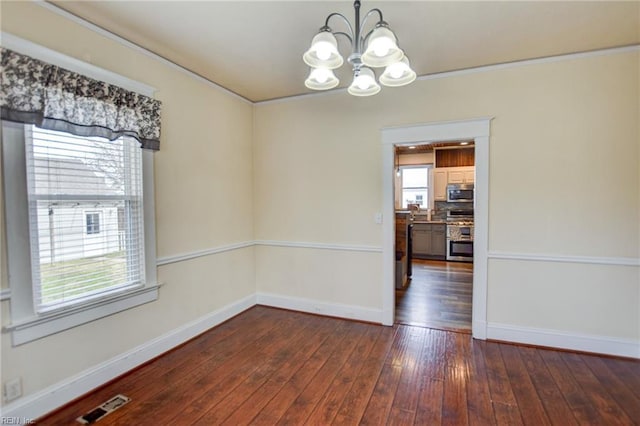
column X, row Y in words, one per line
column 454, row 157
column 440, row 184
column 461, row 175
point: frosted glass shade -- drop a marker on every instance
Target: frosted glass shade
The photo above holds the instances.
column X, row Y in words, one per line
column 398, row 74
column 364, row 83
column 382, row 49
column 321, row 79
column 323, row 52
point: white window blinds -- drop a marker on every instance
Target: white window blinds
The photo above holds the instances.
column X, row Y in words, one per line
column 85, row 217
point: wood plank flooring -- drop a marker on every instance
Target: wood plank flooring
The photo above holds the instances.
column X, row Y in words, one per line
column 269, row 366
column 438, row 296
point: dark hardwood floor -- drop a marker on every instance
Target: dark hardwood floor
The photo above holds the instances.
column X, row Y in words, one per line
column 438, row 296
column 269, row 366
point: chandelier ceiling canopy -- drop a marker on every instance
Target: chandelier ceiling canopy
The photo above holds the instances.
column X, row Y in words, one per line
column 376, row 49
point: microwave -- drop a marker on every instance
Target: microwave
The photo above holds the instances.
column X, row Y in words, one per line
column 460, row 193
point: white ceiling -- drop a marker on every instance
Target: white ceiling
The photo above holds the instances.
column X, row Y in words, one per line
column 254, row 48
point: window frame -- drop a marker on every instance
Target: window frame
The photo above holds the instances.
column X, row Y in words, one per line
column 27, row 325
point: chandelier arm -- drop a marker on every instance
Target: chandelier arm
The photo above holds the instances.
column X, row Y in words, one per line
column 369, row 13
column 340, row 15
column 344, row 34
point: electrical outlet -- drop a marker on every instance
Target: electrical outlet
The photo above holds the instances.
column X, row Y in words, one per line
column 12, row 389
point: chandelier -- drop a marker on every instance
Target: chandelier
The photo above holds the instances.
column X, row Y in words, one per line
column 377, row 48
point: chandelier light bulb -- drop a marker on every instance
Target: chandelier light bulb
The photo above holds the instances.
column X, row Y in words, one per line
column 397, row 69
column 382, row 49
column 364, row 83
column 364, row 79
column 398, row 74
column 323, row 50
column 381, row 46
column 321, row 75
column 321, row 79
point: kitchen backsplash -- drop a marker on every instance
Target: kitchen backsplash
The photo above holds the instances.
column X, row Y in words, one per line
column 445, row 206
column 442, row 207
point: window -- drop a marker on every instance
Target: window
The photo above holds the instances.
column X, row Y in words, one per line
column 414, row 182
column 81, row 201
column 93, row 223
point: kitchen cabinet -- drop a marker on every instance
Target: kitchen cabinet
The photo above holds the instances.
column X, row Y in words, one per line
column 470, row 175
column 440, row 185
column 461, row 175
column 429, row 241
column 454, row 157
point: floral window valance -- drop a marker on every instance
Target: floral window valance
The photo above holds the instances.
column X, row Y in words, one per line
column 35, row 92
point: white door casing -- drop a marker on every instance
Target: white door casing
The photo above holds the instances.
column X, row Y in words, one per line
column 477, row 129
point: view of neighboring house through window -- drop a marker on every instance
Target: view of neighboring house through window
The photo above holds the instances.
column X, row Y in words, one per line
column 85, row 217
column 415, row 186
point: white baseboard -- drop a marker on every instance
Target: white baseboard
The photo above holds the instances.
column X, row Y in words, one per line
column 564, row 340
column 55, row 396
column 311, row 306
column 479, row 330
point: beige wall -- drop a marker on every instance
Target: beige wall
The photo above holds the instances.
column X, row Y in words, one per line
column 563, row 182
column 203, row 184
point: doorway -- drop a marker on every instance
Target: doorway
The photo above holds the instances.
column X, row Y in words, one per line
column 478, row 130
column 434, row 234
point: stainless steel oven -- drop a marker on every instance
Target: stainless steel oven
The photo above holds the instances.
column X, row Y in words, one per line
column 460, row 193
column 460, row 242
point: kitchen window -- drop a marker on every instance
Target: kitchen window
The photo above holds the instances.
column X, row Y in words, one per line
column 83, row 202
column 414, row 186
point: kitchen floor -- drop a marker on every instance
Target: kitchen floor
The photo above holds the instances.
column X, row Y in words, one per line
column 438, row 296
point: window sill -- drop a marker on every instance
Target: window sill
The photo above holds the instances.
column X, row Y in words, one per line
column 37, row 327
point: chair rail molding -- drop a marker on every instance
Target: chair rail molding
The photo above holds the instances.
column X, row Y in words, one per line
column 562, row 258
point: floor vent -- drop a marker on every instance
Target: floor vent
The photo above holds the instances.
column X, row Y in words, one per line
column 102, row 410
